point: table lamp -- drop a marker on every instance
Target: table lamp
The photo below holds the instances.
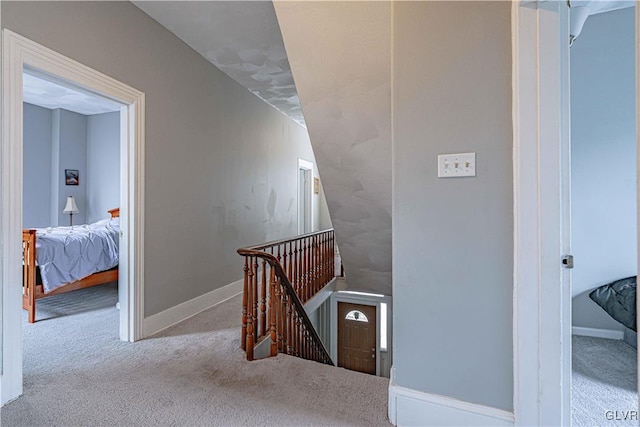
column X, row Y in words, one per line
column 71, row 208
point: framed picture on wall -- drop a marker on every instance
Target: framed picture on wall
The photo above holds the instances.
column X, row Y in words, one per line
column 71, row 177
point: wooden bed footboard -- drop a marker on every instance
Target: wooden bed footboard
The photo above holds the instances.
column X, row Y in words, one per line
column 31, row 291
column 29, row 273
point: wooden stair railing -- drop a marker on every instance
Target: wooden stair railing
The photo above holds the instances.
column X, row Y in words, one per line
column 279, row 277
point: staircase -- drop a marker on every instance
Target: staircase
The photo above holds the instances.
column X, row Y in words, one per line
column 279, row 277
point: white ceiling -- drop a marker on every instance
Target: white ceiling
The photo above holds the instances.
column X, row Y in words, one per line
column 242, row 38
column 44, row 93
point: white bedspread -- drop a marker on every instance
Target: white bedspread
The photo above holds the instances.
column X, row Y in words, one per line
column 65, row 255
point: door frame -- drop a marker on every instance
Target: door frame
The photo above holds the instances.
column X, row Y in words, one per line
column 362, row 299
column 541, row 161
column 306, row 165
column 18, row 53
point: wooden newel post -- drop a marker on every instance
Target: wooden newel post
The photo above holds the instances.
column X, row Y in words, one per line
column 250, row 325
column 29, row 273
column 272, row 312
column 263, row 300
column 243, row 337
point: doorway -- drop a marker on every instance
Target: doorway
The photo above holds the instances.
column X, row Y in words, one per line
column 64, row 128
column 305, row 192
column 377, row 310
column 357, row 335
column 20, row 54
column 542, row 144
column 603, row 215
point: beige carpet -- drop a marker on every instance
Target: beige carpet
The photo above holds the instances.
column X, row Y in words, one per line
column 77, row 372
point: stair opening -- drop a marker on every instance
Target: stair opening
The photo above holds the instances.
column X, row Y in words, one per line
column 279, row 278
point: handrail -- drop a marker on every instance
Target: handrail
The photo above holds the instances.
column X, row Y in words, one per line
column 282, row 241
column 279, row 277
column 284, row 281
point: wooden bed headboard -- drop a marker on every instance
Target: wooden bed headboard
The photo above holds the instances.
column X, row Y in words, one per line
column 115, row 213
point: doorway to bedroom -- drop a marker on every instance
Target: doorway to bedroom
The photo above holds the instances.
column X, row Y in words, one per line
column 71, row 198
column 604, row 233
column 544, row 66
column 23, row 59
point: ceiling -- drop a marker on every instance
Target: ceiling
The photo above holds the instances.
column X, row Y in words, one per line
column 47, row 94
column 241, row 38
column 582, row 9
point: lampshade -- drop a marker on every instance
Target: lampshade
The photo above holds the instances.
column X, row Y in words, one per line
column 71, row 206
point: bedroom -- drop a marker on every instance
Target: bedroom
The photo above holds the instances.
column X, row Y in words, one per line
column 71, row 157
column 604, row 219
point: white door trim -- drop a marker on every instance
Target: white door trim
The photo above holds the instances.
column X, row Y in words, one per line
column 542, row 299
column 362, row 299
column 17, row 53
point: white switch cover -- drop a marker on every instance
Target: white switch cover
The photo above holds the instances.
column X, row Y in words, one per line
column 455, row 165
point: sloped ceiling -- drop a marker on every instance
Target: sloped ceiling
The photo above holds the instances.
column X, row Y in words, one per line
column 242, row 38
column 344, row 79
column 582, row 9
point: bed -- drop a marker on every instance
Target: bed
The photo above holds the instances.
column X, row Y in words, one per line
column 618, row 299
column 67, row 259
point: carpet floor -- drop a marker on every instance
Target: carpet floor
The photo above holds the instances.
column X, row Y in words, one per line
column 78, row 373
column 604, row 382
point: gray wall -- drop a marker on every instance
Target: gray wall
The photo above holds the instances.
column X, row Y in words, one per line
column 72, row 154
column 603, row 151
column 452, row 238
column 55, row 165
column 55, row 140
column 37, row 166
column 324, row 218
column 103, row 165
column 220, row 163
column 345, row 91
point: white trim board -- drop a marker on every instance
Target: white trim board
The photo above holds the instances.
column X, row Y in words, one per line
column 542, row 292
column 610, row 334
column 318, row 299
column 408, row 407
column 171, row 316
column 18, row 54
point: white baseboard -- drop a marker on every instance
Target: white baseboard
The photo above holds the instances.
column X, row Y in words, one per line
column 409, row 407
column 169, row 317
column 597, row 333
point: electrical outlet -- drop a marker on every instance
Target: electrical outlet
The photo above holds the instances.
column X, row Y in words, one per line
column 456, row 165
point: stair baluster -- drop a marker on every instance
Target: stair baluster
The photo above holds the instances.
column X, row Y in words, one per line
column 279, row 277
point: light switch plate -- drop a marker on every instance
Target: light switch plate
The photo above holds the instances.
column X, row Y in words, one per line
column 456, row 165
